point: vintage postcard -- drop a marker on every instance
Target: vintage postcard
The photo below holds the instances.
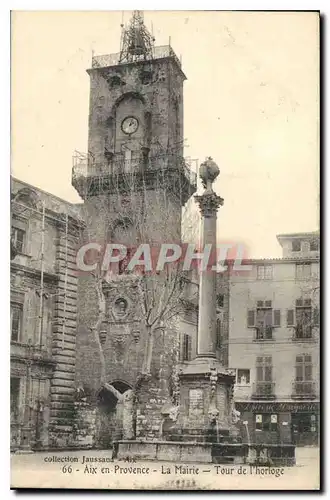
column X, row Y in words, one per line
column 165, row 249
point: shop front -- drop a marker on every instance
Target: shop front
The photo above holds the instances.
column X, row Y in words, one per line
column 279, row 422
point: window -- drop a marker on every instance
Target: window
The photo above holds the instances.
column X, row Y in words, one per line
column 16, row 313
column 304, row 368
column 220, row 300
column 266, row 422
column 264, row 385
column 303, row 318
column 314, row 246
column 303, row 322
column 18, row 238
column 185, row 347
column 243, row 377
column 303, row 423
column 14, row 398
column 264, row 324
column 296, row 246
column 265, row 272
column 303, row 271
column 303, row 385
column 264, row 369
column 264, row 318
column 219, row 333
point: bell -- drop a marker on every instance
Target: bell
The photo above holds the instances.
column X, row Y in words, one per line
column 136, row 47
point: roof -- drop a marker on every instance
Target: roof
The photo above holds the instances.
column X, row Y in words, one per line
column 52, row 202
column 310, row 234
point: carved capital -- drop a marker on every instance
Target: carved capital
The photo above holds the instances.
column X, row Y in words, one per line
column 209, row 202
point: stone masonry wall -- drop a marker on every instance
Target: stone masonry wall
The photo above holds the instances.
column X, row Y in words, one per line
column 64, row 343
column 84, row 427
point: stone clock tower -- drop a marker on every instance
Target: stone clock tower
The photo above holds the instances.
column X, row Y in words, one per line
column 135, row 144
column 134, row 182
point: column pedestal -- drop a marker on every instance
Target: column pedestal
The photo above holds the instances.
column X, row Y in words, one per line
column 205, row 385
column 205, row 401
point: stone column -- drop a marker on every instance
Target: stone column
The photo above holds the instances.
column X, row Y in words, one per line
column 208, row 202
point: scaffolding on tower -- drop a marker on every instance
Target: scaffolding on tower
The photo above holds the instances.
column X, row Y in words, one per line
column 136, row 42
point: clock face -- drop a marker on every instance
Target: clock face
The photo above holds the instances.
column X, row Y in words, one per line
column 130, row 125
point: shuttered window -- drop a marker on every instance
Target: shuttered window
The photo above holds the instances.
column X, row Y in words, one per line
column 303, row 271
column 277, row 317
column 251, row 318
column 18, row 239
column 304, row 368
column 265, row 272
column 264, row 368
column 290, row 317
column 16, row 313
column 185, row 347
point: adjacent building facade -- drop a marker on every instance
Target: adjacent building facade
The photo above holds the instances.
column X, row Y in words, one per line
column 43, row 311
column 274, row 343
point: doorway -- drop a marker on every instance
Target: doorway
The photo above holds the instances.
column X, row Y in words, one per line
column 304, row 427
column 111, row 413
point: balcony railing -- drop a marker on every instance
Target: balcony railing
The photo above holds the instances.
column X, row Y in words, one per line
column 263, row 390
column 303, row 332
column 303, row 389
column 264, row 333
column 85, row 166
column 159, row 52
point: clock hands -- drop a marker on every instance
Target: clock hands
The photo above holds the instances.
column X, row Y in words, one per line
column 130, row 125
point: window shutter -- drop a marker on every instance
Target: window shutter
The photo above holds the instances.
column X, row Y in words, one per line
column 290, row 317
column 299, row 373
column 268, row 318
column 189, row 347
column 316, row 316
column 308, row 372
column 259, row 373
column 251, row 318
column 268, row 373
column 181, row 347
column 277, row 317
column 28, row 245
column 299, row 368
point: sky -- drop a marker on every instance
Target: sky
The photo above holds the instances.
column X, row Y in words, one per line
column 251, row 101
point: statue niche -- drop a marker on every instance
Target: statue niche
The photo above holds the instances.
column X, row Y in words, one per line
column 120, row 308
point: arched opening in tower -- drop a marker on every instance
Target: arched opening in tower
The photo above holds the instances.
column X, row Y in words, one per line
column 115, row 414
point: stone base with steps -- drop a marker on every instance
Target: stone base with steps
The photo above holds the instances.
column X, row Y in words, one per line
column 219, row 453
